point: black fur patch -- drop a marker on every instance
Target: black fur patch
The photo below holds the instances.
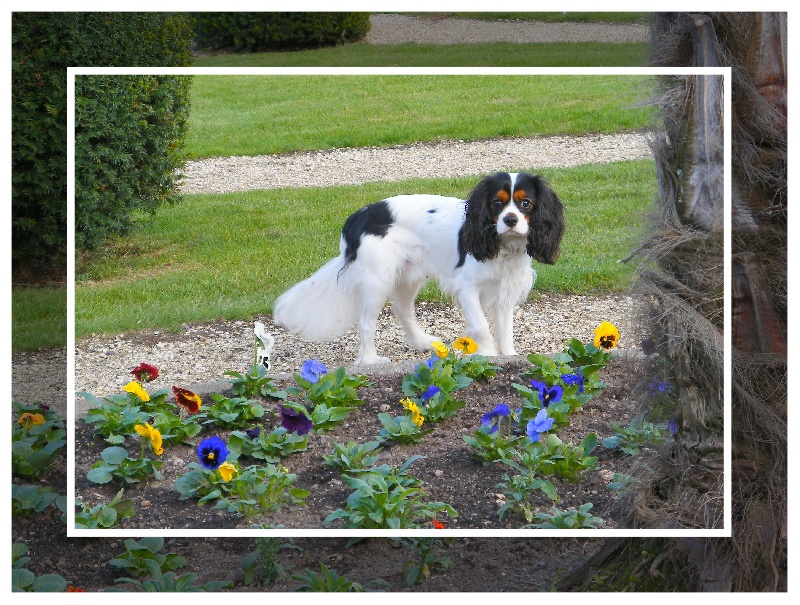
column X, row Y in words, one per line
column 374, row 219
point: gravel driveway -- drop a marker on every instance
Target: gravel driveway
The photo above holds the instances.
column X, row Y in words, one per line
column 200, row 353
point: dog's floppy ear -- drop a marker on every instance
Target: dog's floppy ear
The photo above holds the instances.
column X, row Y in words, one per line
column 546, row 224
column 478, row 235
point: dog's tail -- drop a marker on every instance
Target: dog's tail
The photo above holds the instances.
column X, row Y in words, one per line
column 322, row 307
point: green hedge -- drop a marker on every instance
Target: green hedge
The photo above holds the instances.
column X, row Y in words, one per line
column 43, row 45
column 128, row 134
column 251, row 32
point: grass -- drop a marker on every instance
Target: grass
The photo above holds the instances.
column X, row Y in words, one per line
column 229, row 256
column 252, row 115
column 501, row 54
column 39, row 318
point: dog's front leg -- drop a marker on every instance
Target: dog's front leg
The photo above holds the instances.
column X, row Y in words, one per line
column 367, row 325
column 504, row 330
column 477, row 324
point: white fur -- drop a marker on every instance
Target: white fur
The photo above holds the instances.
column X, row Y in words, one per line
column 418, row 246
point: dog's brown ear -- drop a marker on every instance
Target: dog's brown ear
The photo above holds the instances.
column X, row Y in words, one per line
column 478, row 235
column 546, row 224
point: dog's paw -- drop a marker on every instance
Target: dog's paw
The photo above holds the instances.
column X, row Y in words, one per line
column 421, row 342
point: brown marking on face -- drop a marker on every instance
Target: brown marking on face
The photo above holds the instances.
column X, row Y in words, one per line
column 502, row 196
column 519, row 194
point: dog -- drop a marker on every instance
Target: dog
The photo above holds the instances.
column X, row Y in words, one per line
column 479, row 250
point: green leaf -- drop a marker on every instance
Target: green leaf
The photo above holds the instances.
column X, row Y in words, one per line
column 114, row 455
column 100, row 475
column 49, row 583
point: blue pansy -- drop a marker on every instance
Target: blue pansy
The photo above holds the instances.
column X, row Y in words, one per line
column 539, row 425
column 547, row 394
column 254, row 432
column 673, row 426
column 430, row 392
column 212, row 452
column 428, row 363
column 576, row 378
column 312, row 370
column 492, row 419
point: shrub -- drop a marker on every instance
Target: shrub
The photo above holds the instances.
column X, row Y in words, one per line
column 128, row 134
column 43, row 45
column 251, row 32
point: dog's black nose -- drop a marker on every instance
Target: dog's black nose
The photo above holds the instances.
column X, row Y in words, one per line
column 510, row 220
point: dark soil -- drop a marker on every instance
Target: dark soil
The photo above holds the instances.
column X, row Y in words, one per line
column 448, row 471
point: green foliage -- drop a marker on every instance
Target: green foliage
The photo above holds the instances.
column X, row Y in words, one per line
column 44, row 44
column 24, row 580
column 631, row 439
column 491, row 447
column 171, row 582
column 34, row 446
column 330, row 581
column 386, row 500
column 132, row 561
column 28, row 498
column 233, row 412
column 428, row 557
column 253, row 490
column 353, row 456
column 104, row 515
column 247, row 32
column 253, row 383
column 554, row 457
column 517, row 490
column 571, row 518
column 116, row 465
column 115, row 416
column 334, row 389
column 264, row 565
column 269, row 447
column 401, row 429
column 325, row 418
column 175, row 429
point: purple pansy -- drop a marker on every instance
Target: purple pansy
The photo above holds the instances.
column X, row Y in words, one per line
column 295, row 421
column 492, row 419
column 547, row 394
column 576, row 378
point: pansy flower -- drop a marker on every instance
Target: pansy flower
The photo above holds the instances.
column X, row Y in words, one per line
column 466, row 345
column 440, row 349
column 212, row 452
column 429, row 363
column 144, row 372
column 416, row 417
column 154, row 435
column 492, row 419
column 135, row 388
column 438, row 524
column 547, row 394
column 430, row 392
column 28, row 420
column 186, row 399
column 295, row 421
column 254, row 432
column 674, row 428
column 606, row 336
column 576, row 378
column 226, row 471
column 539, row 426
column 312, row 370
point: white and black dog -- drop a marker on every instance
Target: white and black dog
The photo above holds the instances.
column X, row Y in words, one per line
column 479, row 251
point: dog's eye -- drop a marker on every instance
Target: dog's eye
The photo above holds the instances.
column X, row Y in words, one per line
column 525, row 204
column 497, row 203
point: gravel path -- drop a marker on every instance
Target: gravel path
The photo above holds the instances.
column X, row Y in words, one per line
column 201, row 353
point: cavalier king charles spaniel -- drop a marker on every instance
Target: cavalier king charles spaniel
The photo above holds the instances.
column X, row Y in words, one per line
column 479, row 251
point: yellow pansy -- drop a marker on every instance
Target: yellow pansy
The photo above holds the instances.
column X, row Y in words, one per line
column 135, row 388
column 226, row 471
column 28, row 420
column 416, row 417
column 466, row 345
column 154, row 435
column 440, row 348
column 606, row 336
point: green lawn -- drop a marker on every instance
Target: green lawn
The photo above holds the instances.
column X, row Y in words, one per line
column 229, row 256
column 254, row 115
column 501, row 54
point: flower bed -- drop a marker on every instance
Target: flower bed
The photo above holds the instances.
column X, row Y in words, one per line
column 460, row 443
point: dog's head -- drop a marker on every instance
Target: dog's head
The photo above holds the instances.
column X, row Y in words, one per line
column 513, row 205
